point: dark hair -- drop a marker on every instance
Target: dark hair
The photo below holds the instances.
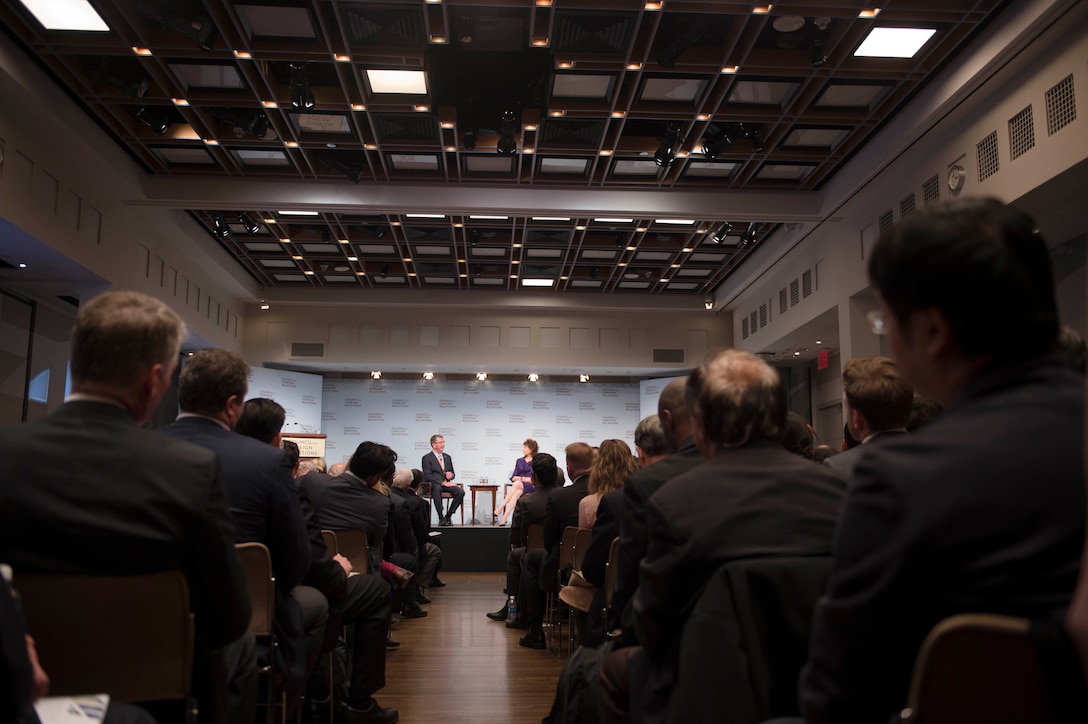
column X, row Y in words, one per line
column 1072, row 349
column 797, row 437
column 261, row 419
column 545, row 469
column 982, row 264
column 532, row 445
column 737, row 398
column 417, row 478
column 210, row 378
column 876, row 388
column 371, row 458
column 922, row 412
column 290, row 447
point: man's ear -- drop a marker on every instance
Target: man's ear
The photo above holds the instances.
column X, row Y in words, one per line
column 937, row 338
column 278, row 439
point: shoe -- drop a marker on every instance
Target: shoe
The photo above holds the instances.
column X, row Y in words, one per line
column 435, row 583
column 445, row 523
column 372, row 714
column 499, row 615
column 518, row 623
column 413, row 612
column 391, row 644
column 533, row 640
column 420, row 598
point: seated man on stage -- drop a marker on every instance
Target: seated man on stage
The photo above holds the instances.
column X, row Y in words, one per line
column 438, row 471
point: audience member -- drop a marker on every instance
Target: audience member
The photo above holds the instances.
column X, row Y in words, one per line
column 539, row 568
column 419, row 512
column 848, row 440
column 320, row 464
column 531, row 508
column 877, row 401
column 290, row 449
column 922, row 412
column 263, row 502
column 611, row 468
column 956, row 517
column 360, row 602
column 766, row 502
column 338, row 468
column 438, row 471
column 798, row 436
column 521, row 480
column 434, row 536
column 820, row 453
column 137, row 501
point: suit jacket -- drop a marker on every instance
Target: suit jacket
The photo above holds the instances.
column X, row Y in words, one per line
column 325, row 573
column 747, row 502
column 265, row 509
column 562, row 512
column 980, row 511
column 347, row 503
column 419, row 516
column 530, row 508
column 634, row 531
column 847, row 460
column 105, row 496
column 432, row 472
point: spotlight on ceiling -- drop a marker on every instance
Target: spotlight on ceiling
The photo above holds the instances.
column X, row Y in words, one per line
column 749, row 236
column 708, row 302
column 670, row 141
column 428, row 375
column 583, row 378
column 219, row 226
column 481, row 376
column 384, row 272
column 265, row 306
column 533, row 377
column 468, row 140
column 715, row 145
column 718, row 237
column 507, row 144
column 251, row 225
column 816, row 55
column 301, row 95
column 753, row 134
column 376, row 375
column 154, row 118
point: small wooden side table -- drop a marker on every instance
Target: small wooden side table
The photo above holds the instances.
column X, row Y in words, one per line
column 484, row 488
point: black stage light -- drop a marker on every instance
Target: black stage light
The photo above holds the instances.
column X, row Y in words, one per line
column 816, row 55
column 507, row 144
column 154, row 118
column 469, row 140
column 251, row 225
column 718, row 237
column 219, row 226
column 666, row 152
column 301, row 95
column 749, row 236
column 715, row 145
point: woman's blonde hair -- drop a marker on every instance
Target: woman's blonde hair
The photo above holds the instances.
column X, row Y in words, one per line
column 612, row 467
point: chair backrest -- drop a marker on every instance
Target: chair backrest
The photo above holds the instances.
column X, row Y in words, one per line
column 610, row 571
column 127, row 636
column 353, row 545
column 330, row 541
column 257, row 568
column 581, row 545
column 746, row 639
column 978, row 667
column 534, row 537
column 566, row 547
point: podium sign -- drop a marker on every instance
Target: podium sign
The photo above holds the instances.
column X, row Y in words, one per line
column 309, row 446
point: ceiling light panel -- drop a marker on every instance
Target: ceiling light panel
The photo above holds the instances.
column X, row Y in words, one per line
column 582, row 85
column 405, row 82
column 66, row 15
column 894, row 42
column 674, row 90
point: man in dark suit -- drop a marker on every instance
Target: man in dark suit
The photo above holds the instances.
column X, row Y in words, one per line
column 263, row 502
column 419, row 513
column 136, row 502
column 438, row 471
column 751, row 498
column 539, row 568
column 955, row 517
column 678, row 426
column 877, row 401
column 361, row 602
column 529, row 509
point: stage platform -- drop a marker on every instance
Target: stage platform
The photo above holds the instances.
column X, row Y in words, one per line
column 474, row 548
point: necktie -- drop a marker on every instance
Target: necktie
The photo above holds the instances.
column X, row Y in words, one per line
column 441, row 462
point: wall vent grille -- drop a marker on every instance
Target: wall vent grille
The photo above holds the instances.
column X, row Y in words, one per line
column 806, row 283
column 906, row 205
column 669, row 356
column 783, row 304
column 754, row 318
column 1061, row 106
column 989, row 161
column 795, row 292
column 886, row 221
column 1022, row 133
column 744, row 328
column 762, row 316
column 931, row 190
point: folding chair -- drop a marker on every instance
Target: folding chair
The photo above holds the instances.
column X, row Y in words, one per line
column 257, row 569
column 354, row 545
column 553, row 622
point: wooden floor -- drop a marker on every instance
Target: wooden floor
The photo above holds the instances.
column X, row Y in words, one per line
column 458, row 665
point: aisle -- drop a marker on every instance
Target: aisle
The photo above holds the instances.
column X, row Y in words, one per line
column 457, row 665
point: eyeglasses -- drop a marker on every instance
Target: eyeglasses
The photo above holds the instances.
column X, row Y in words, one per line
column 876, row 322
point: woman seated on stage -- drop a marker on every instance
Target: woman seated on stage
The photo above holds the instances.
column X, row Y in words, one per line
column 522, row 479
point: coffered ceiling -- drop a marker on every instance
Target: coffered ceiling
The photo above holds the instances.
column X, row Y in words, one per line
column 594, row 146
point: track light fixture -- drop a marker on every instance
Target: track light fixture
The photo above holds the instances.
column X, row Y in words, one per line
column 533, row 377
column 265, row 306
column 251, row 225
column 244, row 121
column 749, row 236
column 468, row 140
column 122, row 74
column 154, row 118
column 507, row 144
column 301, row 95
column 816, row 55
column 718, row 237
column 715, row 145
column 384, row 273
column 670, row 141
column 583, row 378
column 754, row 134
column 708, row 302
column 376, row 375
column 219, row 226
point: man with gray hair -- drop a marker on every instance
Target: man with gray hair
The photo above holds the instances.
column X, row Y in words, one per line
column 117, row 499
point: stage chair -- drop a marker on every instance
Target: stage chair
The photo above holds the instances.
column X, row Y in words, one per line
column 445, row 496
column 257, row 569
column 978, row 667
column 127, row 636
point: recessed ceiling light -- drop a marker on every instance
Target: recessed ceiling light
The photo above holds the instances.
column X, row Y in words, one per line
column 551, row 218
column 376, row 375
column 819, row 341
column 22, row 265
column 796, row 354
column 481, row 376
column 353, row 258
column 634, row 66
column 497, row 218
column 141, row 51
column 428, row 375
column 358, row 107
column 180, row 101
column 583, row 378
column 296, row 213
column 728, row 69
column 66, row 15
column 243, row 55
column 412, row 82
column 894, row 42
column 308, row 272
column 565, row 64
column 762, row 9
column 678, row 222
column 869, row 13
column 537, row 282
column 341, row 58
column 533, row 377
column 342, row 241
column 291, row 144
column 425, row 216
column 612, row 220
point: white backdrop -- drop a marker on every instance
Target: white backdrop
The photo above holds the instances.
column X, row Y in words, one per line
column 298, row 392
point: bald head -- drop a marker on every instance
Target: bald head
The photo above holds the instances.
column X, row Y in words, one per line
column 672, row 409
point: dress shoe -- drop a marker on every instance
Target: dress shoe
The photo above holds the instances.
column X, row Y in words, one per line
column 519, row 623
column 420, row 598
column 435, row 583
column 445, row 523
column 412, row 612
column 391, row 644
column 533, row 640
column 499, row 615
column 372, row 714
